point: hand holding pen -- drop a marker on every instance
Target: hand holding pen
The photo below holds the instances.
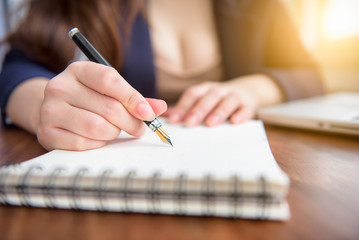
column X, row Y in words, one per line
column 89, row 50
column 88, row 104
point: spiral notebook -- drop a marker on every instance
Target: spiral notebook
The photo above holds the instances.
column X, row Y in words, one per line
column 224, row 171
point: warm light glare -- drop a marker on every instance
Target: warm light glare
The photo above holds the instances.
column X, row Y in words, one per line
column 341, row 19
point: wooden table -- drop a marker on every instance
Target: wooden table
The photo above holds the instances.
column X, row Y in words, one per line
column 323, row 197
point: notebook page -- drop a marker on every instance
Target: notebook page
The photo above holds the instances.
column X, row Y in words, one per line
column 222, row 151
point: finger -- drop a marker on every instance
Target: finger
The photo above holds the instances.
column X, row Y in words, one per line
column 56, row 138
column 243, row 114
column 107, row 107
column 204, row 106
column 106, row 80
column 168, row 112
column 224, row 109
column 78, row 121
column 185, row 103
column 159, row 106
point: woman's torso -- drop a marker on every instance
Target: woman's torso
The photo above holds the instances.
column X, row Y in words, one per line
column 185, row 45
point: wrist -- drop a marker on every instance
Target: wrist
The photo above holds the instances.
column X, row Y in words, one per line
column 261, row 89
column 25, row 102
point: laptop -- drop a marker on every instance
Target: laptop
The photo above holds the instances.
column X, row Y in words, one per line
column 335, row 112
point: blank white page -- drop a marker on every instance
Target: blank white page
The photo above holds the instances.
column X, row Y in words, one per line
column 221, row 151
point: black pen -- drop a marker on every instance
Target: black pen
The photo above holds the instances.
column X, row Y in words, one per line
column 93, row 55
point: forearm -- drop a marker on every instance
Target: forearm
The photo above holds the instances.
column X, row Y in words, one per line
column 297, row 83
column 24, row 104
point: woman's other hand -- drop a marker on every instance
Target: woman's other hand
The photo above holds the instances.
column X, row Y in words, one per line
column 213, row 103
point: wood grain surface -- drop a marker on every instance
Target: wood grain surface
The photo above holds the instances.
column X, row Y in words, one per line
column 323, row 198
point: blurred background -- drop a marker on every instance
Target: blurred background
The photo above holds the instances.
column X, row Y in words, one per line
column 329, row 29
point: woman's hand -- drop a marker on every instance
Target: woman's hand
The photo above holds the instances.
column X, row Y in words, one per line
column 213, row 103
column 89, row 104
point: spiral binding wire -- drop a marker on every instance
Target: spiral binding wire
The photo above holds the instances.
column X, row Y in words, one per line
column 208, row 195
column 180, row 195
column 236, row 195
column 153, row 193
column 126, row 190
column 262, row 196
column 100, row 189
column 4, row 172
column 75, row 189
column 22, row 189
column 49, row 189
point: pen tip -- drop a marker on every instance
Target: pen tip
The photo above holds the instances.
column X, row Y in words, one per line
column 169, row 142
column 164, row 136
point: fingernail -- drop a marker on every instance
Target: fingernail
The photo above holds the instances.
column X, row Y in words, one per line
column 236, row 118
column 174, row 118
column 192, row 120
column 213, row 120
column 145, row 111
